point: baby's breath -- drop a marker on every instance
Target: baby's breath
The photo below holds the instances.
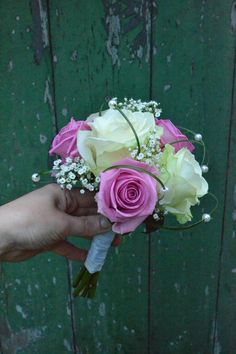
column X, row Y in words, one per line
column 74, row 172
column 136, row 106
column 150, row 151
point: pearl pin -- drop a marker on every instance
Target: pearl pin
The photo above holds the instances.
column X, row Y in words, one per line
column 206, row 217
column 164, row 190
column 204, row 168
column 112, row 103
column 35, row 177
column 198, row 137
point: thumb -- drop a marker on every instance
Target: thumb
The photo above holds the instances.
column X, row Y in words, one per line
column 88, row 226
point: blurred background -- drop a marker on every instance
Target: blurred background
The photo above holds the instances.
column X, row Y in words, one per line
column 160, row 293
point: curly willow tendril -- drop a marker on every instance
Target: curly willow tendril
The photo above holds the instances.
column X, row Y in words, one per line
column 139, row 169
column 100, row 109
column 45, row 173
column 190, row 226
column 132, row 127
column 198, row 142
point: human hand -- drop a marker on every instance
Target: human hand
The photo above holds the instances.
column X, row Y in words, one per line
column 41, row 221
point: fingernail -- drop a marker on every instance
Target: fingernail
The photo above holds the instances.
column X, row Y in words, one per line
column 105, row 223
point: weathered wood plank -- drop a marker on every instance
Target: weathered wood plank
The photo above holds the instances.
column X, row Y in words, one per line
column 34, row 309
column 192, row 77
column 102, row 49
column 225, row 319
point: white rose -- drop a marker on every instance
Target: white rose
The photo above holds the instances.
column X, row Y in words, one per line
column 182, row 174
column 111, row 137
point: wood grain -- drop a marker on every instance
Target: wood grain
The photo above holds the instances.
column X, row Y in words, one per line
column 34, row 306
column 158, row 294
column 97, row 58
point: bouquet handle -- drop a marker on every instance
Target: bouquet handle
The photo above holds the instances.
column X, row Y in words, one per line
column 85, row 283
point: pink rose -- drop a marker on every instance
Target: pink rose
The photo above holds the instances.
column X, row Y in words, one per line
column 126, row 196
column 65, row 142
column 171, row 134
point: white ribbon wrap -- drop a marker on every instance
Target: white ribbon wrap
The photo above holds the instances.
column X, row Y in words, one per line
column 98, row 251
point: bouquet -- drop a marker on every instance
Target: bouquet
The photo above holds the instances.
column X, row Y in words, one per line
column 140, row 168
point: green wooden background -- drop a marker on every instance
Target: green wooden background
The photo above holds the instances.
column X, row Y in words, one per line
column 159, row 294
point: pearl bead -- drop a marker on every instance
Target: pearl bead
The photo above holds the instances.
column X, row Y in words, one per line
column 206, row 217
column 35, row 177
column 164, row 190
column 204, row 168
column 198, row 137
column 112, row 103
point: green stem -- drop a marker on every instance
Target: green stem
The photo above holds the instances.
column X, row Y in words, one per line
column 131, row 126
column 190, row 226
column 139, row 169
column 45, row 173
column 85, row 283
column 204, row 152
column 78, row 277
column 100, row 110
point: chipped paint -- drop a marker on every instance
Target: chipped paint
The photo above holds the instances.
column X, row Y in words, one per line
column 169, row 58
column 20, row 311
column 67, row 345
column 113, row 40
column 217, row 345
column 74, row 55
column 202, row 15
column 43, row 139
column 177, row 287
column 102, row 309
column 167, row 87
column 29, row 290
column 233, row 16
column 139, row 21
column 11, row 342
column 140, row 52
column 40, row 38
column 234, row 204
column 44, row 24
column 68, row 310
column 10, row 66
column 64, row 112
column 148, row 33
column 47, row 95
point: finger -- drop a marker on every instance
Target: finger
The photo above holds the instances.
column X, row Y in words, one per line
column 87, row 226
column 85, row 200
column 117, row 241
column 85, row 212
column 66, row 249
